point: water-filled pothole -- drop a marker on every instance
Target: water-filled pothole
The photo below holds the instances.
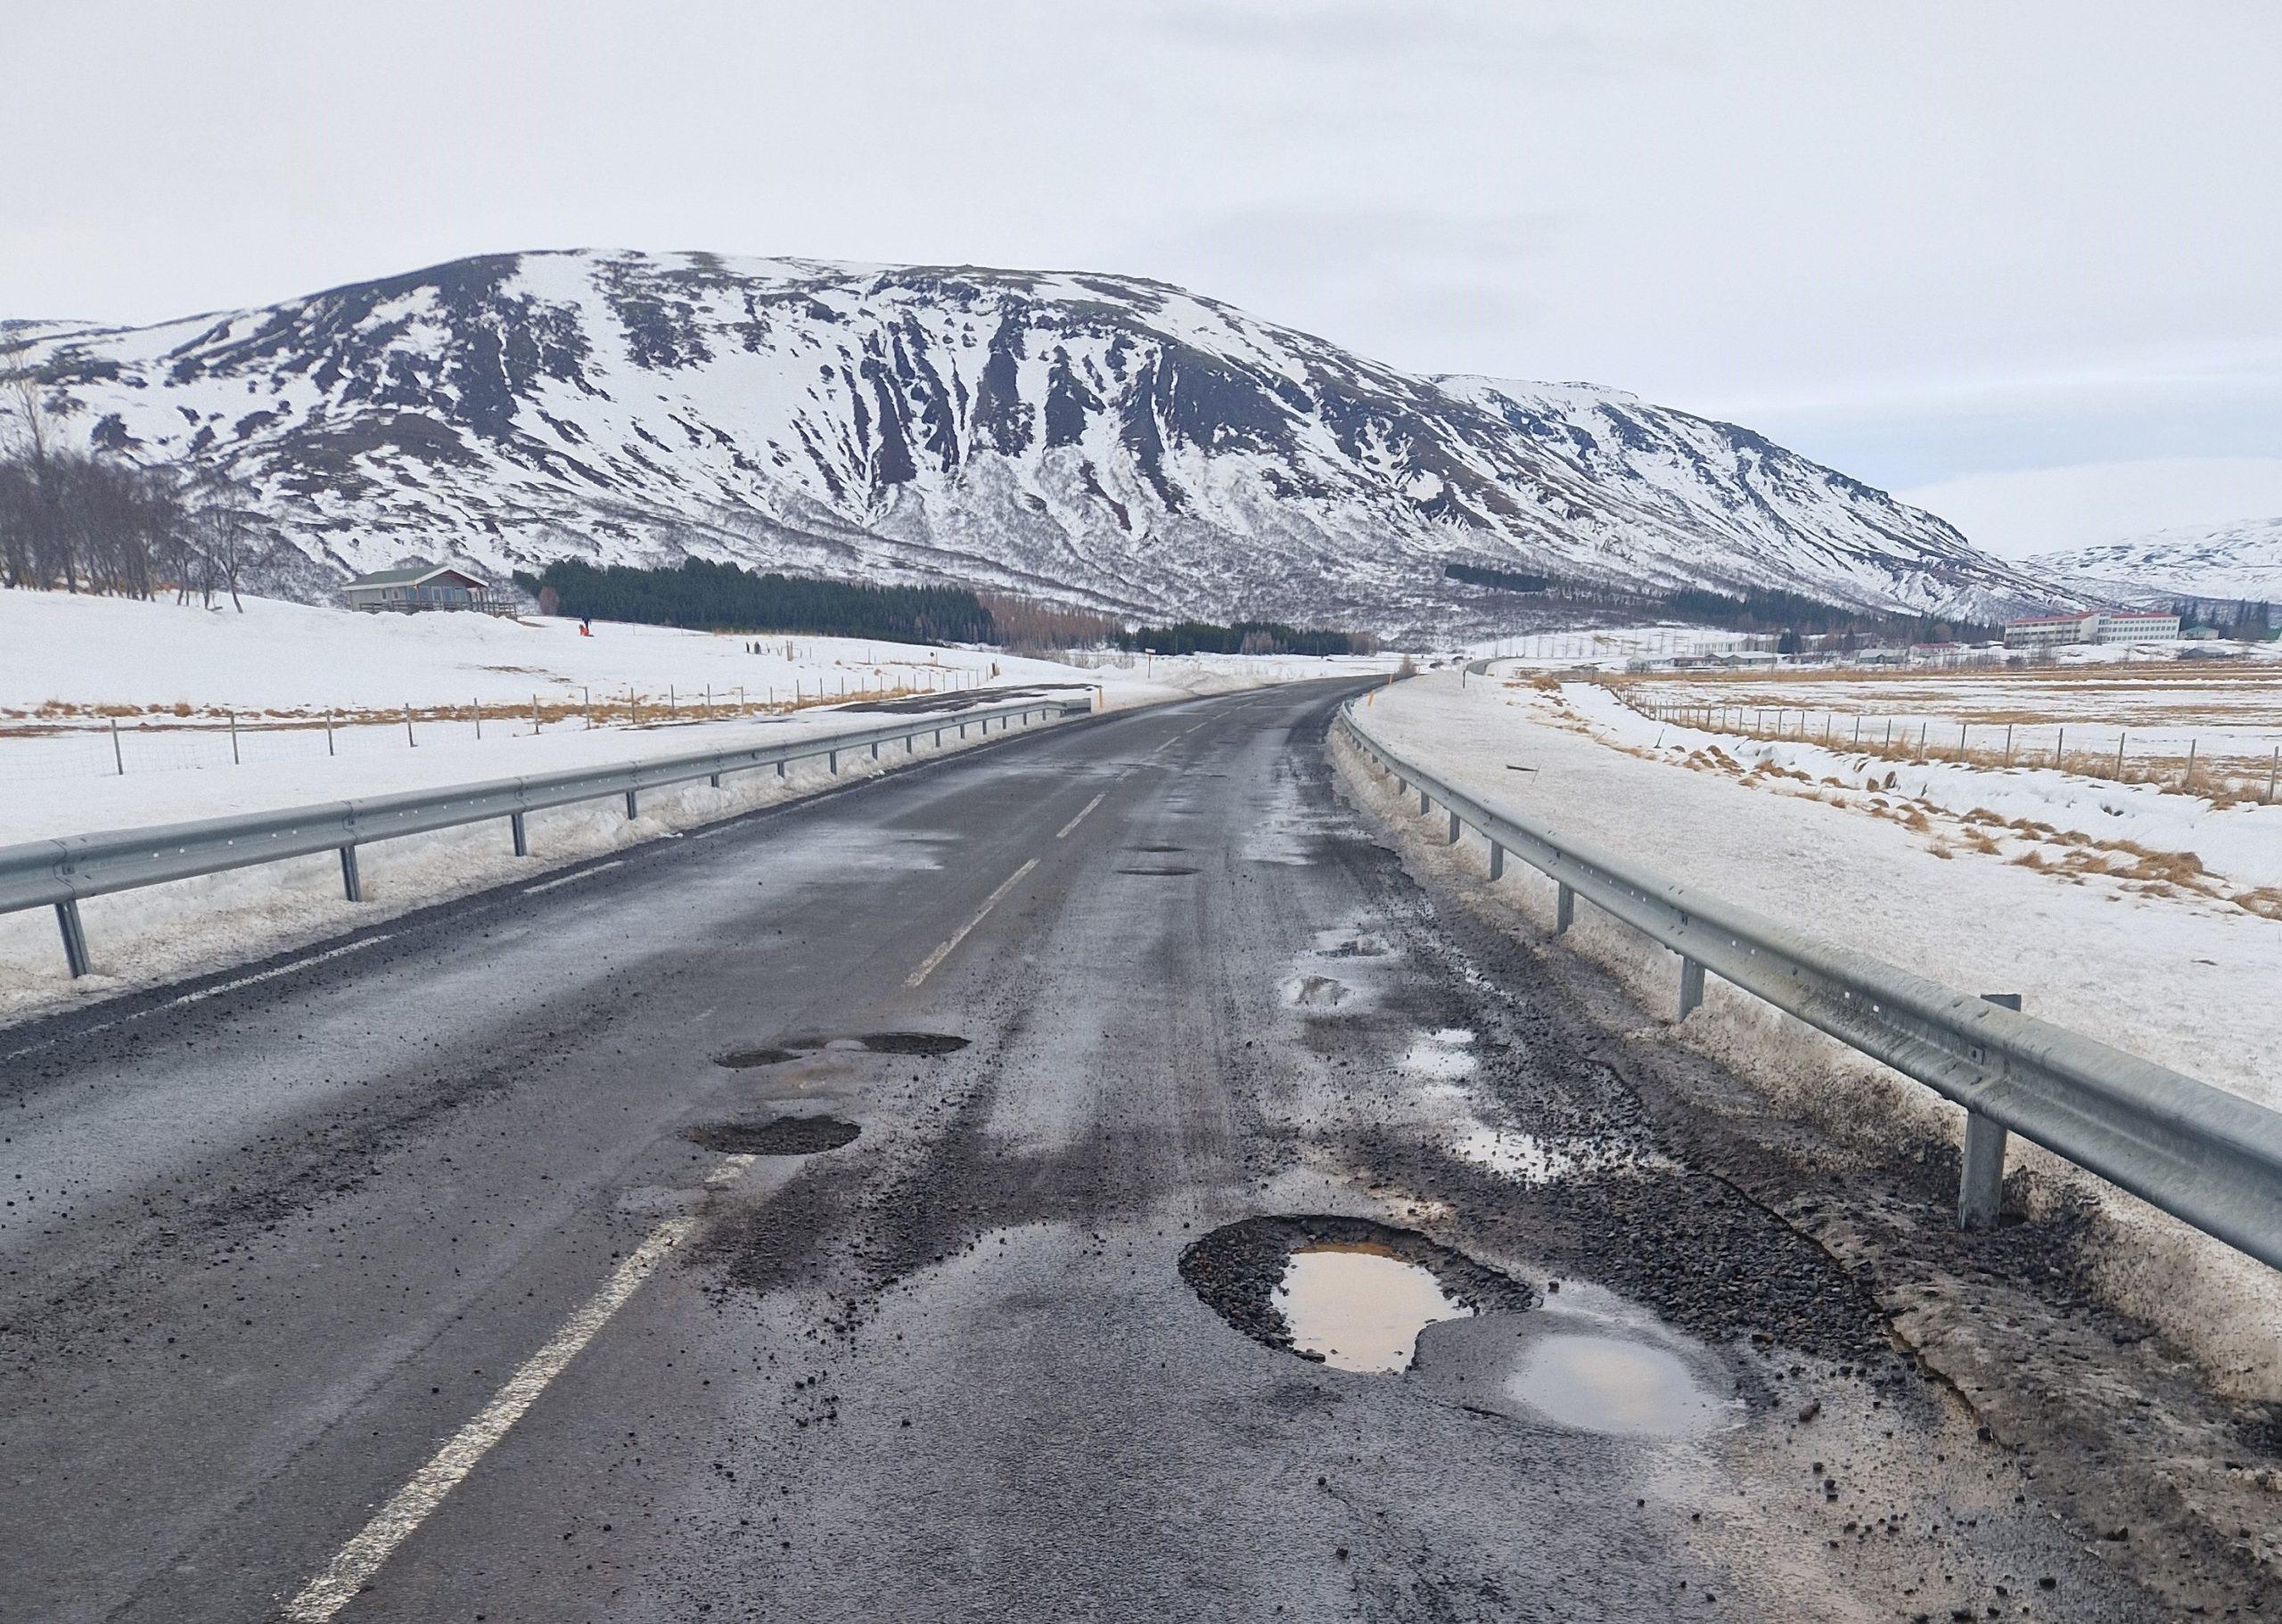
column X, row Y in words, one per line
column 930, row 1045
column 1355, row 1306
column 782, row 1136
column 1315, row 992
column 1611, row 1384
column 1341, row 1290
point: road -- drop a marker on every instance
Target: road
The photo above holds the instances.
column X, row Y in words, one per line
column 451, row 1275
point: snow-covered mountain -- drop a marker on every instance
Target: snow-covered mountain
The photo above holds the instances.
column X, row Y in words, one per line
column 2226, row 561
column 1099, row 440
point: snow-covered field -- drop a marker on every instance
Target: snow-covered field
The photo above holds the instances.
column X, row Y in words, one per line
column 2229, row 713
column 2133, row 950
column 172, row 675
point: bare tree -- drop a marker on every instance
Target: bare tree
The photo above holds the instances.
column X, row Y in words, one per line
column 224, row 532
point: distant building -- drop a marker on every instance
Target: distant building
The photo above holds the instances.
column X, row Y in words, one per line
column 2099, row 625
column 413, row 588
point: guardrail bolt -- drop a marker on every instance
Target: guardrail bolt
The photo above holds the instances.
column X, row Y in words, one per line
column 74, row 935
column 1691, row 987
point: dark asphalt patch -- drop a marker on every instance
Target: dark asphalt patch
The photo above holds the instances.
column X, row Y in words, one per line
column 1165, row 871
column 783, row 1136
column 1159, row 847
column 928, row 1045
column 1236, row 1268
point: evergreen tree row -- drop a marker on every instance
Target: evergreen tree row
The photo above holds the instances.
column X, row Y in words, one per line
column 702, row 596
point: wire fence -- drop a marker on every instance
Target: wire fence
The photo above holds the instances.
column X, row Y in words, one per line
column 155, row 741
column 2224, row 774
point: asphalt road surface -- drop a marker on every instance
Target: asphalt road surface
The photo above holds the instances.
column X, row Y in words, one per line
column 452, row 1276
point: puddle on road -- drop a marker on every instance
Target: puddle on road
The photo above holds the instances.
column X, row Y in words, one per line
column 1607, row 1384
column 1357, row 1306
column 1444, row 1054
column 783, row 1136
column 930, row 1045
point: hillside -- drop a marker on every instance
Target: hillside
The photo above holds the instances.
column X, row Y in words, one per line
column 1104, row 441
column 2226, row 561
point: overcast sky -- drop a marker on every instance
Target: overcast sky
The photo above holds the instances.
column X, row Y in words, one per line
column 1923, row 241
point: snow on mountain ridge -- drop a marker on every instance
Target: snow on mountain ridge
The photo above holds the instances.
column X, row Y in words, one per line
column 2241, row 559
column 1098, row 440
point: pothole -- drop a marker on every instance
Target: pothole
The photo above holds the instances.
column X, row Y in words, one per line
column 1344, row 1291
column 1159, row 870
column 1598, row 1383
column 783, row 1136
column 1316, row 992
column 1355, row 1306
column 930, row 1044
column 1359, row 946
column 1158, row 847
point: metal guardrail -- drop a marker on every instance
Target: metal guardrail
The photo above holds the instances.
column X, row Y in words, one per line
column 63, row 872
column 2207, row 1157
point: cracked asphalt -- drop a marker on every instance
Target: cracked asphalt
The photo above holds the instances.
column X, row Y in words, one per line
column 456, row 1278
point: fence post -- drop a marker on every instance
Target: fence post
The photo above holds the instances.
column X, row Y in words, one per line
column 328, row 733
column 516, row 826
column 2273, row 763
column 534, row 716
column 1691, row 986
column 2059, row 749
column 234, row 736
column 410, row 742
column 1981, row 1178
column 119, row 760
column 478, row 721
column 74, row 935
column 2008, row 744
column 352, row 885
column 1564, row 907
column 2119, row 758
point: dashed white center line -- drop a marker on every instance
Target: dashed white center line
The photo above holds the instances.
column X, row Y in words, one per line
column 1080, row 818
column 927, row 968
column 394, row 1522
column 730, row 1167
column 548, row 885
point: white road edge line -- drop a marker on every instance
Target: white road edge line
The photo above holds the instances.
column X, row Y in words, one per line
column 1080, row 818
column 219, row 987
column 928, row 968
column 548, row 885
column 394, row 1522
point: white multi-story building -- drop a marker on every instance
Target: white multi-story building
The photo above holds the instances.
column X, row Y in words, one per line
column 2100, row 625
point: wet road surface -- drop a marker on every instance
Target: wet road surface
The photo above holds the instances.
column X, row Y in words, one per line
column 456, row 1276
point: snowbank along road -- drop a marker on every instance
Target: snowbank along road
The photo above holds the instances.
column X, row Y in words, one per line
column 1088, row 1177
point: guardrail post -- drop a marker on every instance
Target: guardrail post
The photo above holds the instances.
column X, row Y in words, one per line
column 939, row 738
column 1564, row 907
column 1422, row 803
column 74, row 935
column 351, row 886
column 713, row 779
column 1980, row 1179
column 911, row 744
column 630, row 809
column 1691, row 986
column 833, row 758
column 522, row 842
column 1454, row 828
column 875, row 750
column 1497, row 861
